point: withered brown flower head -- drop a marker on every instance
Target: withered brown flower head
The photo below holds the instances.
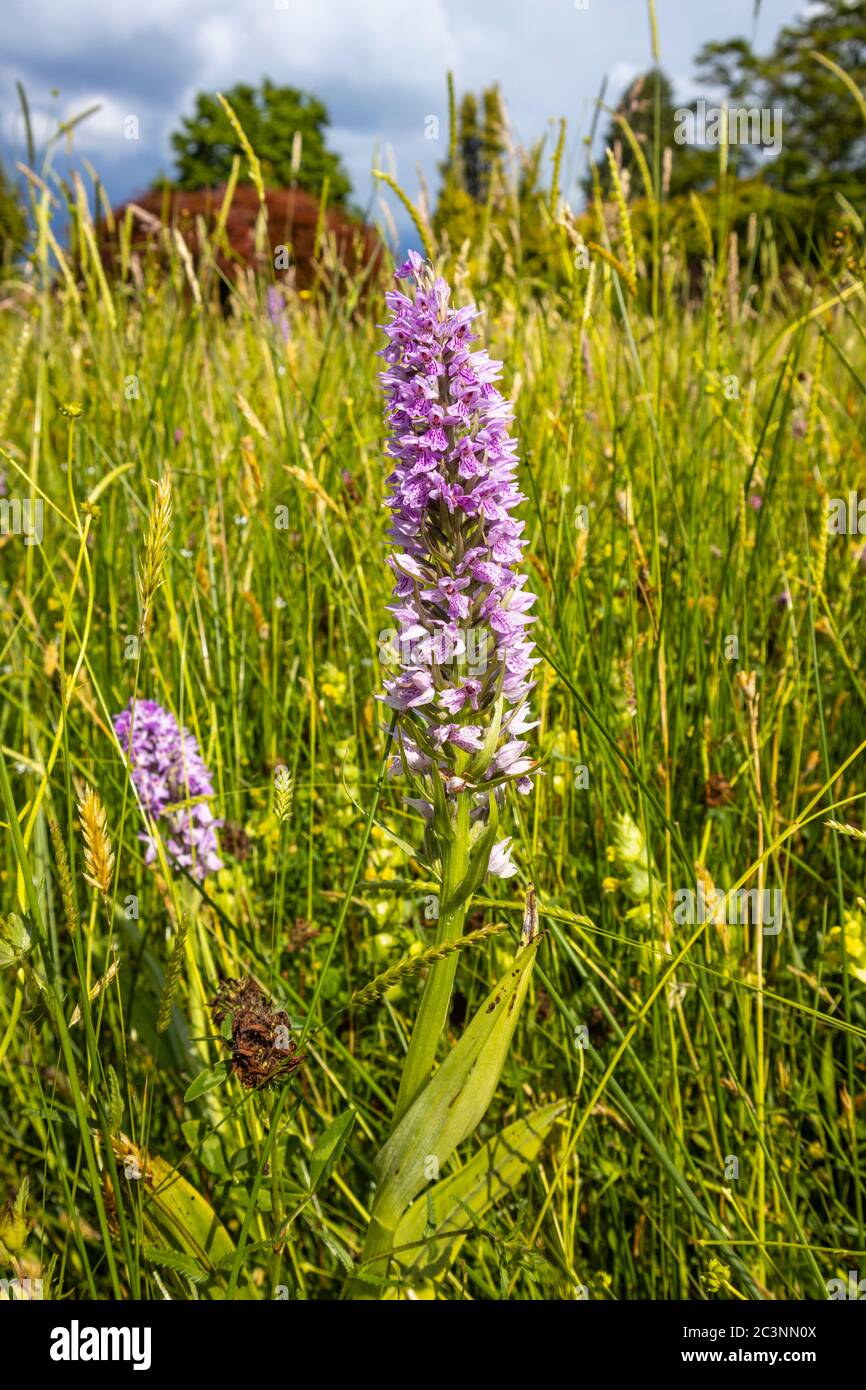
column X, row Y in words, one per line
column 261, row 1046
column 717, row 790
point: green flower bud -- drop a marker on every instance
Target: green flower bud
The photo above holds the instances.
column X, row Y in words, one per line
column 13, row 1221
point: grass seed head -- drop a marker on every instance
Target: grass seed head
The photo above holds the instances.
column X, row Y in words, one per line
column 284, row 792
column 152, row 573
column 98, row 854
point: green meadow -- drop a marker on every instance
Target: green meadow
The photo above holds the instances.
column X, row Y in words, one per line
column 689, row 406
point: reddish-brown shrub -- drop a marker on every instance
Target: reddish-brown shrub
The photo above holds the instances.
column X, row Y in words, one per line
column 293, row 216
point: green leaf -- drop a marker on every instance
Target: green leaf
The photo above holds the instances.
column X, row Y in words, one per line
column 411, row 851
column 264, row 1199
column 454, row 1101
column 329, row 1240
column 328, row 1147
column 176, row 1216
column 207, row 1080
column 206, row 1143
column 461, row 1198
column 441, row 809
column 173, row 1259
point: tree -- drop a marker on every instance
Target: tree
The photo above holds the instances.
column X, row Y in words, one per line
column 286, row 128
column 472, row 173
column 824, row 135
column 491, row 194
column 470, row 149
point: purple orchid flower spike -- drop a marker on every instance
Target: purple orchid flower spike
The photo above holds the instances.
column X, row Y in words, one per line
column 462, row 646
column 166, row 769
column 462, row 607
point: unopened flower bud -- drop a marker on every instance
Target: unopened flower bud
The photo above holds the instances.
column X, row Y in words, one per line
column 13, row 1222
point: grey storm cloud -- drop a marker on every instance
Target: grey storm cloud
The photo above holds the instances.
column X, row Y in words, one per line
column 148, row 72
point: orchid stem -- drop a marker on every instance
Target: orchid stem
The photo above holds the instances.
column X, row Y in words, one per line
column 436, row 997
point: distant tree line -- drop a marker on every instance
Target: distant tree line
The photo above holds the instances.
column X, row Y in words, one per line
column 809, row 89
column 492, row 191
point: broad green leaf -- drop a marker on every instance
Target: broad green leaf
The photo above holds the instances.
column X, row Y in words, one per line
column 176, row 1216
column 470, row 1192
column 241, row 1196
column 454, row 1101
column 207, row 1080
column 329, row 1146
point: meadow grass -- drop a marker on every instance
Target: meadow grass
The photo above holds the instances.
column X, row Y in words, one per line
column 679, row 451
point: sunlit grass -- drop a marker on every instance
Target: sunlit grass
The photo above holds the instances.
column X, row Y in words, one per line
column 678, row 467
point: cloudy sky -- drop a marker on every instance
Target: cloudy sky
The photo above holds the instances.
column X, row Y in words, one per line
column 380, row 66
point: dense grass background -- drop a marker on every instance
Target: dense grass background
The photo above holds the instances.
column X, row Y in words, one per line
column 703, row 423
